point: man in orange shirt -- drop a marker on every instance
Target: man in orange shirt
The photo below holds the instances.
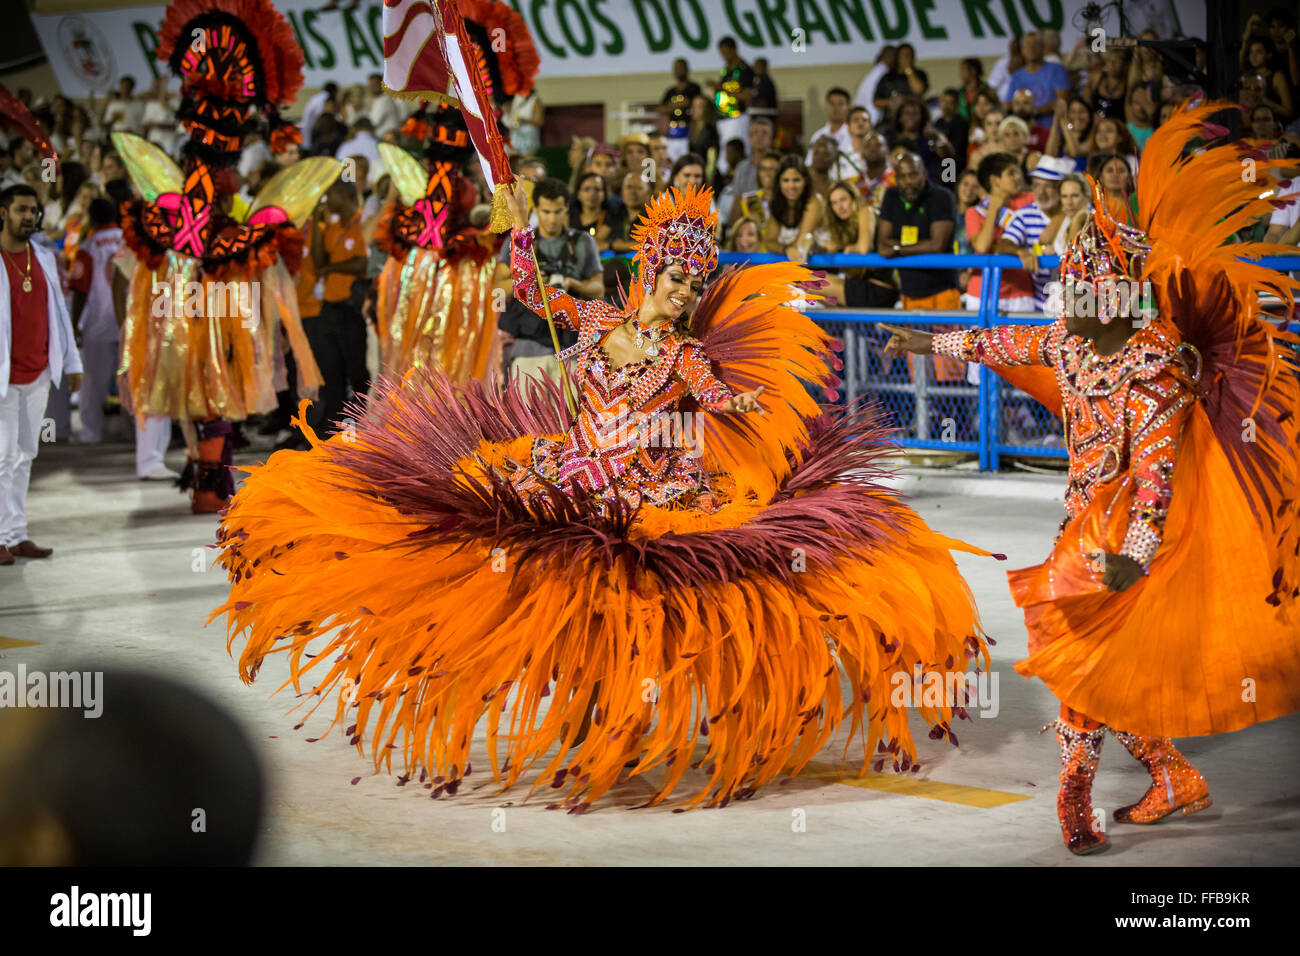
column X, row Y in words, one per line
column 338, row 333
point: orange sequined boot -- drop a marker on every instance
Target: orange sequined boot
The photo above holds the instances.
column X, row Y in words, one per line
column 1175, row 783
column 1080, row 752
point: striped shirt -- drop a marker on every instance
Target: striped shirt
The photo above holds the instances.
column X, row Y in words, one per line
column 1026, row 225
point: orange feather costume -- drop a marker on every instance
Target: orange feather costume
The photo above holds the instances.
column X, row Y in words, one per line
column 1183, row 457
column 467, row 588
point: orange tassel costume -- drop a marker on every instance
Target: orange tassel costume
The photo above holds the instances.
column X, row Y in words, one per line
column 737, row 638
column 1162, row 472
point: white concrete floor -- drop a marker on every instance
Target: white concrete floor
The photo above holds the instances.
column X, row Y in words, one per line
column 121, row 589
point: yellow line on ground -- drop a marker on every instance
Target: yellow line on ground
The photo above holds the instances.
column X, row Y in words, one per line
column 14, row 642
column 910, row 786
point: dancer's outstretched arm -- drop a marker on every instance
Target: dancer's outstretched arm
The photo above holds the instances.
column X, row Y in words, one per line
column 708, row 389
column 1000, row 345
column 568, row 312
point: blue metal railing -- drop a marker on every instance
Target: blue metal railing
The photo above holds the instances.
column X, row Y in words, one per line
column 1003, row 419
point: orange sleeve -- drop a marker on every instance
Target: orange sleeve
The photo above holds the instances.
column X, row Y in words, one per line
column 568, row 312
column 1002, row 344
column 1154, row 416
column 697, row 371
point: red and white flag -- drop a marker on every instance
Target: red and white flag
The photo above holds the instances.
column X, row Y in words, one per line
column 429, row 55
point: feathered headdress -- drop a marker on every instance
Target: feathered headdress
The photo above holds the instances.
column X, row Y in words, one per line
column 675, row 227
column 230, row 55
column 1104, row 252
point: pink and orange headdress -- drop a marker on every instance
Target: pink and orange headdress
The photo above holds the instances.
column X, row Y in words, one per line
column 675, row 227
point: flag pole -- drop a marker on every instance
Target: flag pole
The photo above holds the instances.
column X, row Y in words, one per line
column 555, row 339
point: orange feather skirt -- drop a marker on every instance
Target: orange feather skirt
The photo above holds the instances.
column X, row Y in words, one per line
column 420, row 600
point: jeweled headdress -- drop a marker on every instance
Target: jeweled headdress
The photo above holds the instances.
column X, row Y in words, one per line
column 1105, row 252
column 676, row 227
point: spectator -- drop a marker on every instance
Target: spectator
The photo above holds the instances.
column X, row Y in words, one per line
column 1141, row 117
column 362, row 142
column 912, row 130
column 878, row 176
column 906, row 79
column 327, row 135
column 1021, row 235
column 886, row 61
column 952, row 125
column 71, row 176
column 590, row 211
column 16, row 155
column 1281, row 30
column 1070, row 218
column 93, row 315
column 971, row 71
column 968, row 195
column 702, row 137
column 732, row 93
column 1004, row 67
column 1116, row 178
column 662, row 163
column 983, row 137
column 837, row 125
column 859, row 129
column 579, row 148
column 761, row 130
column 755, row 204
column 569, row 261
column 676, row 108
column 1071, row 135
column 634, row 150
column 635, row 193
column 852, row 229
column 1051, row 45
column 338, row 334
column 1013, row 138
column 797, row 212
column 745, row 235
column 1267, row 129
column 531, row 168
column 1022, row 106
column 1112, row 136
column 918, row 217
column 313, row 111
column 825, row 160
column 1000, row 177
column 603, row 159
column 1284, row 225
column 158, row 121
column 1108, row 89
column 123, row 111
column 1045, row 81
column 111, row 167
column 1147, row 68
column 687, row 171
column 1257, row 57
column 734, row 152
column 763, row 102
column 254, row 154
column 385, row 112
column 523, row 118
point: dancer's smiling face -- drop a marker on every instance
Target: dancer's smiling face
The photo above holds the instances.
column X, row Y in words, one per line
column 676, row 292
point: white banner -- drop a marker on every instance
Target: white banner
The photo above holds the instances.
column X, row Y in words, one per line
column 90, row 49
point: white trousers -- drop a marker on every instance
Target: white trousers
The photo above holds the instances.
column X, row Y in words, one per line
column 151, row 444
column 99, row 360
column 21, row 412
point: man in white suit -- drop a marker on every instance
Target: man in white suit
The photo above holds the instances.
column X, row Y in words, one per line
column 36, row 350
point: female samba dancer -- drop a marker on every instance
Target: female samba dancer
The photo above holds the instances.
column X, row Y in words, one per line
column 610, row 595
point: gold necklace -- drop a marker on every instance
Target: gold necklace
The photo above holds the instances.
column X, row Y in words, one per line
column 27, row 280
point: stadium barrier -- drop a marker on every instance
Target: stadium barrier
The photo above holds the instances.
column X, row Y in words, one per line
column 980, row 414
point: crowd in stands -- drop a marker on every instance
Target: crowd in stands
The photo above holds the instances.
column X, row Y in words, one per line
column 899, row 168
